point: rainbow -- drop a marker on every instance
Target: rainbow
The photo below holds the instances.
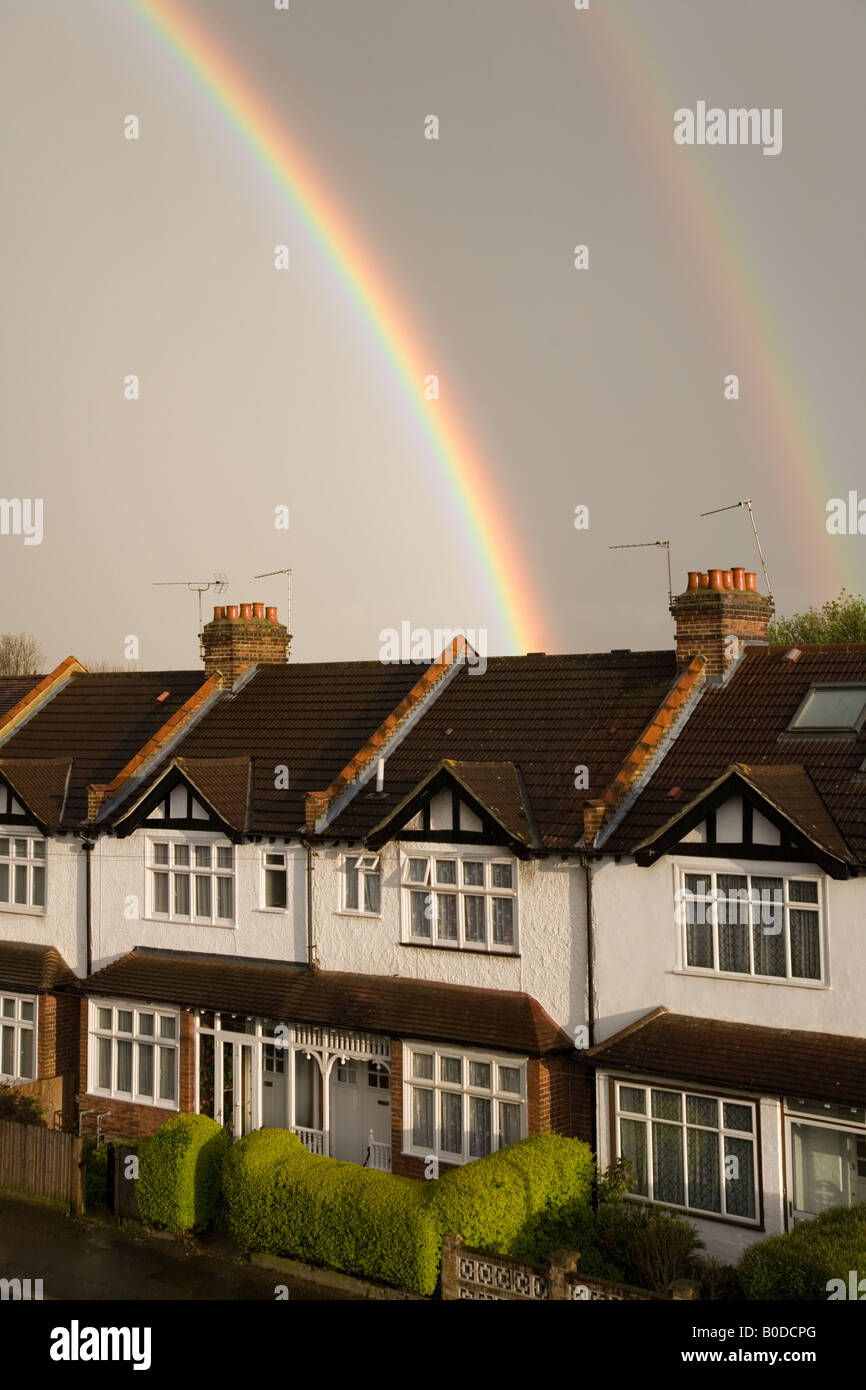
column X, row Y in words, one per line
column 643, row 99
column 491, row 539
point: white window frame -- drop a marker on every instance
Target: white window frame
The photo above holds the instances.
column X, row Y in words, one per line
column 722, row 1130
column 29, row 861
column 493, row 1093
column 816, row 1119
column 214, row 843
column 754, row 870
column 19, row 1025
column 137, row 1038
column 368, row 863
column 267, row 868
column 461, row 890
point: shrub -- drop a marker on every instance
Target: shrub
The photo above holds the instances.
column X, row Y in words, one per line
column 521, row 1200
column 283, row 1200
column 179, row 1173
column 16, row 1105
column 801, row 1264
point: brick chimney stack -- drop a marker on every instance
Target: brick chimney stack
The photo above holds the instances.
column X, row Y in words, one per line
column 240, row 636
column 718, row 607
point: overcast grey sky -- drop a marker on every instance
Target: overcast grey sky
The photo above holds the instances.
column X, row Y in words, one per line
column 601, row 387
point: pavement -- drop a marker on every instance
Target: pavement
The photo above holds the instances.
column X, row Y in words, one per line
column 85, row 1258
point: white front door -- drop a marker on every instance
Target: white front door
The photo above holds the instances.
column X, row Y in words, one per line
column 275, row 1086
column 346, row 1112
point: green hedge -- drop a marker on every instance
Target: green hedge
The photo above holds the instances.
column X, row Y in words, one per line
column 280, row 1199
column 520, row 1200
column 801, row 1264
column 285, row 1201
column 179, row 1173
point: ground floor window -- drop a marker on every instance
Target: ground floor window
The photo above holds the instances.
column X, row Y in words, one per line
column 17, row 1037
column 827, row 1146
column 134, row 1053
column 459, row 1105
column 688, row 1149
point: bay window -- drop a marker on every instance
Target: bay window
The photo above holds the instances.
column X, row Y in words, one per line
column 461, row 903
column 191, row 881
column 688, row 1149
column 134, row 1053
column 17, row 1037
column 459, row 1106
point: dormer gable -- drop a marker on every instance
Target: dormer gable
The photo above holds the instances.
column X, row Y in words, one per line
column 766, row 812
column 464, row 803
column 195, row 794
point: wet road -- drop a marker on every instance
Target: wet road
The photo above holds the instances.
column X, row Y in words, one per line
column 81, row 1260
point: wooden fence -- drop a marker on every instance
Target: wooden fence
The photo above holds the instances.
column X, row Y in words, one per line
column 41, row 1163
column 477, row 1275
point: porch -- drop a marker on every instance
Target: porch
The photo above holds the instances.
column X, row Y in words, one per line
column 331, row 1087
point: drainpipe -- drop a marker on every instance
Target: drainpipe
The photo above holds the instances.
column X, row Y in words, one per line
column 87, row 846
column 310, row 942
column 590, row 988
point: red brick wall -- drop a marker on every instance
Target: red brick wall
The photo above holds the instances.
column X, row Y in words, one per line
column 706, row 617
column 127, row 1119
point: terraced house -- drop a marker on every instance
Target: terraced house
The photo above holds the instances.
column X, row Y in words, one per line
column 417, row 912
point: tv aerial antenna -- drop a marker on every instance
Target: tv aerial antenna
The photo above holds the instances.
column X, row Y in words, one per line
column 747, row 502
column 219, row 584
column 643, row 545
column 288, row 573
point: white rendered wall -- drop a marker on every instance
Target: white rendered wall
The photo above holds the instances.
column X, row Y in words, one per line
column 638, row 954
column 62, row 924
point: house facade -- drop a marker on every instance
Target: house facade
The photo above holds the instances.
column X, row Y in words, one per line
column 418, row 912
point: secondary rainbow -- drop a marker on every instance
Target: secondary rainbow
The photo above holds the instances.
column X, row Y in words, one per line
column 642, row 96
column 492, row 543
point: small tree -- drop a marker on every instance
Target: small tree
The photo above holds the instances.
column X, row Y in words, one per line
column 841, row 619
column 20, row 654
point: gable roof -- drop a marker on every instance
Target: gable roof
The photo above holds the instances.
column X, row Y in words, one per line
column 786, row 789
column 496, row 789
column 746, row 722
column 294, row 993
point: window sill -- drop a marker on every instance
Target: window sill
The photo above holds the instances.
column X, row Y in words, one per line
column 274, row 911
column 136, row 1100
column 189, row 922
column 368, row 916
column 743, row 1222
column 461, row 950
column 23, row 910
column 751, row 979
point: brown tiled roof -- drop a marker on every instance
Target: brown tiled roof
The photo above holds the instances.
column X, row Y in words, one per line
column 370, row 1003
column 746, row 722
column 496, row 787
column 311, row 719
column 100, row 721
column 547, row 715
column 13, row 689
column 742, row 1056
column 33, row 969
column 223, row 782
column 40, row 783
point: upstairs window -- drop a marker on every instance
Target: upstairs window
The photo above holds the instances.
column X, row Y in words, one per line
column 192, row 882
column 362, row 889
column 22, row 871
column 752, row 924
column 276, row 877
column 831, row 709
column 463, row 904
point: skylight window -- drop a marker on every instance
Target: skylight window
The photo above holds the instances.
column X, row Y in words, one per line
column 831, row 709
